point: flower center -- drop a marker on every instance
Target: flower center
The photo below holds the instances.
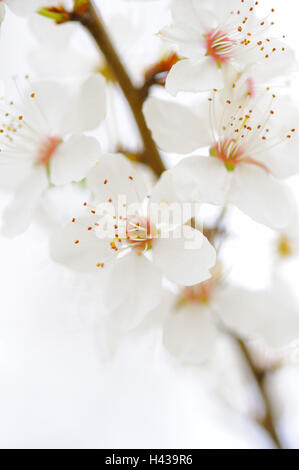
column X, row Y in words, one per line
column 140, row 232
column 47, row 148
column 251, row 87
column 284, row 246
column 198, row 294
column 229, row 152
column 218, row 46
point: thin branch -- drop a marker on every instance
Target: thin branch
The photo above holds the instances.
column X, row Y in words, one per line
column 260, row 378
column 157, row 73
column 92, row 21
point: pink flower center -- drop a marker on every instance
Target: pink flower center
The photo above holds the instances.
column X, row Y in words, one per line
column 231, row 154
column 251, row 87
column 140, row 233
column 47, row 149
column 228, row 152
column 218, row 46
column 200, row 293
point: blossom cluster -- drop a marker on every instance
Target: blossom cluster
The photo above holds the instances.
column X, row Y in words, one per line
column 235, row 143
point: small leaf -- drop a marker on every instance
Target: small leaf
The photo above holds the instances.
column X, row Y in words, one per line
column 80, row 6
column 59, row 14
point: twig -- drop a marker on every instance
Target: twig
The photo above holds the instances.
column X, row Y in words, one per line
column 260, row 378
column 92, row 21
column 157, row 73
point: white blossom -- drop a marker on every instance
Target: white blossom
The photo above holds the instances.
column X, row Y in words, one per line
column 42, row 140
column 203, row 312
column 213, row 34
column 252, row 146
column 139, row 247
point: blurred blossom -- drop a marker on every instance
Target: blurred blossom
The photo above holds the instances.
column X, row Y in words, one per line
column 201, row 312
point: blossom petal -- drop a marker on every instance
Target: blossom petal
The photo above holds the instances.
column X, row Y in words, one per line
column 261, row 196
column 18, row 215
column 91, row 104
column 190, row 23
column 282, row 161
column 175, row 128
column 73, row 158
column 188, row 12
column 222, row 9
column 164, row 191
column 70, row 105
column 202, row 179
column 185, row 256
column 115, row 176
column 188, row 41
column 166, row 209
column 134, row 289
column 22, row 8
column 77, row 247
column 190, row 334
column 188, row 75
column 13, row 172
column 47, row 32
column 277, row 61
column 271, row 315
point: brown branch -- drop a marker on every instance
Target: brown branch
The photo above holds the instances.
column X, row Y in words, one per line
column 92, row 21
column 260, row 378
column 157, row 73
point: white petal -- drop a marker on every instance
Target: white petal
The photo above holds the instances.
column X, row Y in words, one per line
column 271, row 315
column 90, row 104
column 79, row 248
column 189, row 41
column 115, row 176
column 202, row 179
column 175, row 128
column 25, row 7
column 188, row 75
column 190, row 23
column 70, row 105
column 13, row 172
column 47, row 33
column 50, row 62
column 164, row 191
column 261, row 196
column 52, row 106
column 283, row 161
column 18, row 215
column 184, row 12
column 73, row 158
column 134, row 289
column 190, row 334
column 185, row 256
column 165, row 208
column 277, row 63
column 222, row 9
